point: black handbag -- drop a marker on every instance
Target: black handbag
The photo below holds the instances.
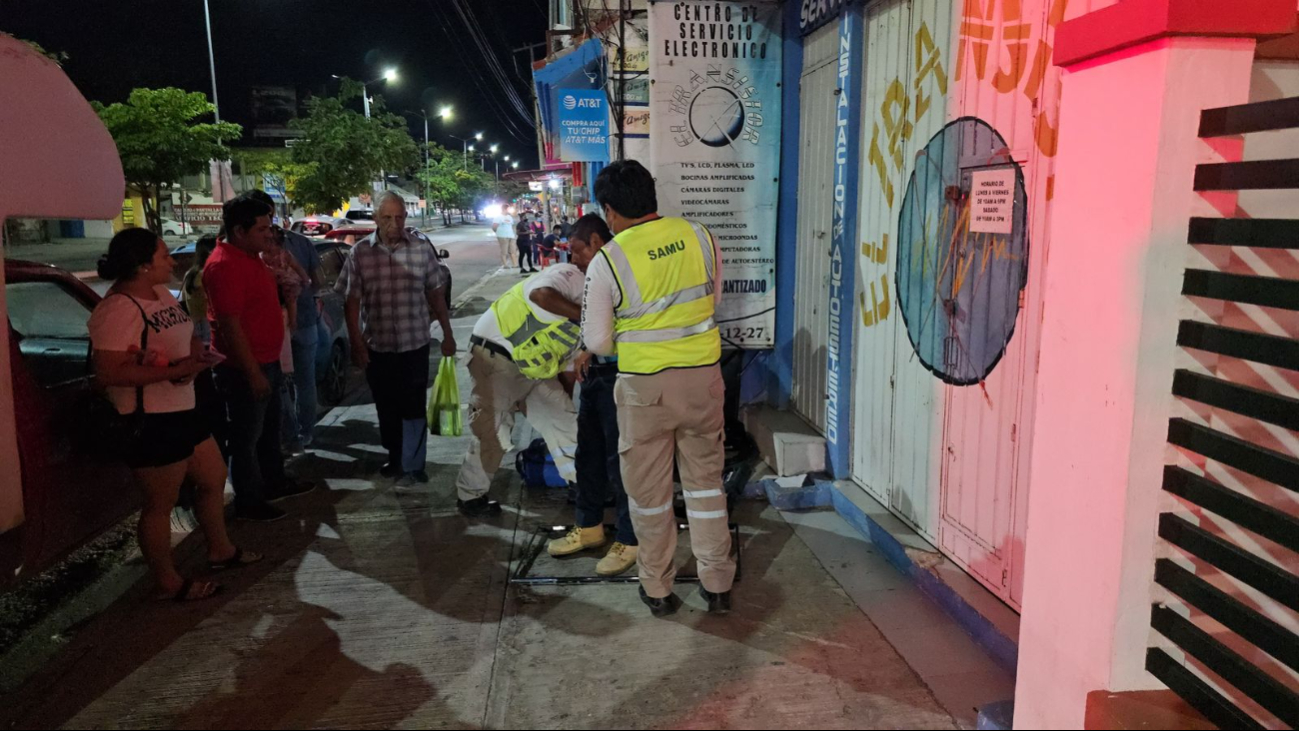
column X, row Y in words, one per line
column 113, row 435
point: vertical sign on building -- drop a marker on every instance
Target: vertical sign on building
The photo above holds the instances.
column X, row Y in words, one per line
column 715, row 70
column 843, row 272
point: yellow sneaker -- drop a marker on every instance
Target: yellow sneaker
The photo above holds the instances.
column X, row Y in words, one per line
column 576, row 541
column 619, row 558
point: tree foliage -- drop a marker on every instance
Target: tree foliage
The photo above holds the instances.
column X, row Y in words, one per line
column 275, row 163
column 450, row 184
column 341, row 151
column 160, row 140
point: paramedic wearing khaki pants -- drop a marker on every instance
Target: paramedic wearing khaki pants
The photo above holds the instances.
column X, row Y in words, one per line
column 652, row 292
column 530, row 308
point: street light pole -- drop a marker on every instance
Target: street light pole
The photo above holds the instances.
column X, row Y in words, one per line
column 465, row 146
column 388, row 75
column 426, row 169
column 211, row 60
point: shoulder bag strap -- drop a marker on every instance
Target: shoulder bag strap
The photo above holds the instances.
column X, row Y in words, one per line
column 144, row 348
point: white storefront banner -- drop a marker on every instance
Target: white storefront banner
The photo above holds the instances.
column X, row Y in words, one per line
column 715, row 105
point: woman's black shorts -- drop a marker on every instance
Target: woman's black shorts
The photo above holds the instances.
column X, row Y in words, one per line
column 166, row 439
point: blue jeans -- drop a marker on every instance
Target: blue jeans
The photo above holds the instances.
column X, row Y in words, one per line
column 299, row 405
column 256, row 460
column 599, row 472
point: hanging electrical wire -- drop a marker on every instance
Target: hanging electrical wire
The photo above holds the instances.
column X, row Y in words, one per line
column 499, row 109
column 492, row 63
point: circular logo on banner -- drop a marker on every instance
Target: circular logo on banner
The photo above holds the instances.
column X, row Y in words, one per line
column 570, row 102
column 717, row 116
column 963, row 252
column 719, row 108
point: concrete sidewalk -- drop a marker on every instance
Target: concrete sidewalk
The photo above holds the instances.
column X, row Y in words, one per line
column 379, row 608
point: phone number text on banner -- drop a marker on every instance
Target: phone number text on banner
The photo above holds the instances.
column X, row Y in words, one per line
column 715, row 140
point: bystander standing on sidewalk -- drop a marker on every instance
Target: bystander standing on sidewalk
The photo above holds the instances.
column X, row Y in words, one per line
column 503, row 227
column 193, row 296
column 599, row 477
column 523, row 234
column 300, row 402
column 248, row 330
column 394, row 282
column 146, row 355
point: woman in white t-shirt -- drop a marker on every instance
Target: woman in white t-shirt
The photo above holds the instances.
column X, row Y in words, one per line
column 503, row 227
column 175, row 441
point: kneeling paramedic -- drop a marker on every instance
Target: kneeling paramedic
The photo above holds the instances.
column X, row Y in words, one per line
column 518, row 349
column 653, row 292
column 599, row 476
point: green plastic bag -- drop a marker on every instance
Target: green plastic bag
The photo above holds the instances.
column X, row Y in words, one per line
column 444, row 417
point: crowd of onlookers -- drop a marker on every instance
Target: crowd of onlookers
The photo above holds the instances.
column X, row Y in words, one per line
column 216, row 383
column 524, row 242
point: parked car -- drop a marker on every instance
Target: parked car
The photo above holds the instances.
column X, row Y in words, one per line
column 316, row 226
column 184, row 256
column 350, row 234
column 172, row 227
column 333, row 350
column 70, row 495
column 361, row 217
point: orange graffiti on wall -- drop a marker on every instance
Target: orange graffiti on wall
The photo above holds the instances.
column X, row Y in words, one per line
column 898, row 115
column 879, row 309
column 999, row 30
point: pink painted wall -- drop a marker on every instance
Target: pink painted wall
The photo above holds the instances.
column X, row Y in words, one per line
column 58, row 162
column 1128, row 147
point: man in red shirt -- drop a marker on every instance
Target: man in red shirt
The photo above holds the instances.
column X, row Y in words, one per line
column 248, row 329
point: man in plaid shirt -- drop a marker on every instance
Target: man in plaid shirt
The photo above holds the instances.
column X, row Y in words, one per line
column 395, row 280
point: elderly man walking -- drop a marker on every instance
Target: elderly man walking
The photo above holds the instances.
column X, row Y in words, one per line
column 394, row 279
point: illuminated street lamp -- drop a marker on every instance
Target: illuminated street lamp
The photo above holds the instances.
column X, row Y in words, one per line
column 389, row 74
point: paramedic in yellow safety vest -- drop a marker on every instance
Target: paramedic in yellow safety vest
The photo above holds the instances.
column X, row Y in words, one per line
column 652, row 293
column 500, row 386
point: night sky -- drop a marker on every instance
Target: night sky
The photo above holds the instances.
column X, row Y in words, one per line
column 117, row 45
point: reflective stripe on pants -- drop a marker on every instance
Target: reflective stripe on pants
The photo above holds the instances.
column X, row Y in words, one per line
column 675, row 414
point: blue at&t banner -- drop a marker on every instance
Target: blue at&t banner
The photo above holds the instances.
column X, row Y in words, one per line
column 583, row 125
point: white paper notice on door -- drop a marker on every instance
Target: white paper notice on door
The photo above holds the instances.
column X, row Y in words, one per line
column 992, row 205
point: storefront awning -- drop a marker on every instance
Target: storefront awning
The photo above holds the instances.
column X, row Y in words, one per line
column 50, row 130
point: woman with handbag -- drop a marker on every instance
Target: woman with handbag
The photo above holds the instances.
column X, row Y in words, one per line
column 146, row 357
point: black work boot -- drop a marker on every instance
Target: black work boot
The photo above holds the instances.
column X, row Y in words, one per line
column 719, row 604
column 665, row 607
column 479, row 507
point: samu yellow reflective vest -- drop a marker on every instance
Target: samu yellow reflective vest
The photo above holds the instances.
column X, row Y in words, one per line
column 541, row 350
column 665, row 270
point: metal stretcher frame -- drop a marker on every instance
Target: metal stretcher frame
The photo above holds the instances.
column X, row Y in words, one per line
column 537, row 543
